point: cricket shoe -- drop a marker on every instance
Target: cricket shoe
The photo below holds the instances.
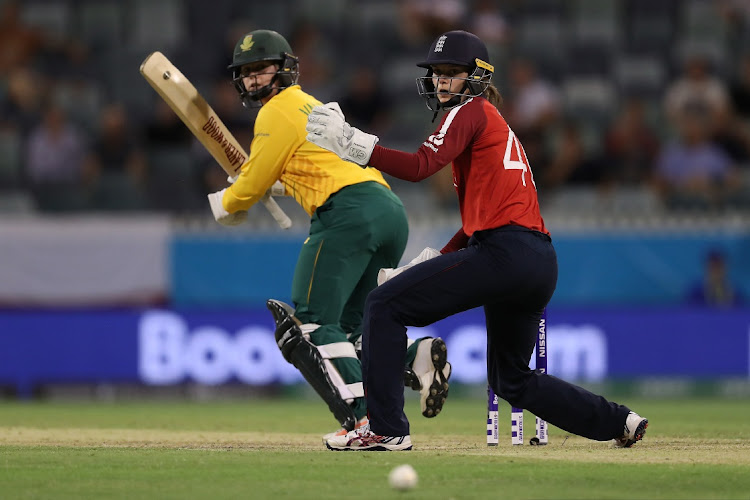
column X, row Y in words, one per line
column 635, row 429
column 429, row 375
column 363, row 439
column 343, row 432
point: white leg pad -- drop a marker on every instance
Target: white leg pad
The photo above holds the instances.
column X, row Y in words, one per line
column 348, row 392
column 308, row 328
column 338, row 350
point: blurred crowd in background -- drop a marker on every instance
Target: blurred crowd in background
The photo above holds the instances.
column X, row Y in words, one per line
column 644, row 104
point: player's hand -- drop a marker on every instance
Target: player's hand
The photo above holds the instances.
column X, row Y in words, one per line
column 387, row 273
column 327, row 128
column 221, row 215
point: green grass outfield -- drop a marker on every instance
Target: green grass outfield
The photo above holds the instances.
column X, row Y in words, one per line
column 271, row 448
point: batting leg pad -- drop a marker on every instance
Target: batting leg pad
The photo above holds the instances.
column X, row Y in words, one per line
column 314, row 367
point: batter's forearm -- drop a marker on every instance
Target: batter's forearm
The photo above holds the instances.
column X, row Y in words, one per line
column 234, row 201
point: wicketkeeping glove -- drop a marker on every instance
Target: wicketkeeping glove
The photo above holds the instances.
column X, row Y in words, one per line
column 327, row 128
column 387, row 273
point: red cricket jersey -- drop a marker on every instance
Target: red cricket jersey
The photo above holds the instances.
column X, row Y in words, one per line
column 490, row 170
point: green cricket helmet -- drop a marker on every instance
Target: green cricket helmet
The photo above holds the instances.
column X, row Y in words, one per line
column 263, row 45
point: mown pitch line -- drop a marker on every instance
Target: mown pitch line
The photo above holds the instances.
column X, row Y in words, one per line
column 655, row 449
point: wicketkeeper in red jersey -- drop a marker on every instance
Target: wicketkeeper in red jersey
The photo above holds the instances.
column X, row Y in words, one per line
column 502, row 258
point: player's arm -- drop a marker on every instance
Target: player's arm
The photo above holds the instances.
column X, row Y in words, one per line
column 413, row 167
column 328, row 129
column 274, row 143
column 459, row 241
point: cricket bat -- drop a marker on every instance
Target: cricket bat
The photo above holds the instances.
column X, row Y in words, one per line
column 200, row 118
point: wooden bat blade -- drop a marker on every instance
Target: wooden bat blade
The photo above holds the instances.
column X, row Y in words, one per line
column 185, row 100
column 194, row 111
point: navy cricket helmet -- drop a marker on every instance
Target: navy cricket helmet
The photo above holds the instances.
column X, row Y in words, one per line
column 460, row 48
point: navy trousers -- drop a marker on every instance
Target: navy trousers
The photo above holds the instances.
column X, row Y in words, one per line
column 510, row 271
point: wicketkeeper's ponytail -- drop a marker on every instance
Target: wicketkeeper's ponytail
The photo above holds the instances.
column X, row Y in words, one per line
column 493, row 95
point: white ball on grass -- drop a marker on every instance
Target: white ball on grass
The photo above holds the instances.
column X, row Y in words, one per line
column 403, row 477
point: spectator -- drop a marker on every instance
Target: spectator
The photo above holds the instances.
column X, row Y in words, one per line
column 535, row 103
column 630, row 147
column 54, row 162
column 115, row 150
column 18, row 43
column 571, row 164
column 21, row 108
column 488, row 23
column 316, row 49
column 736, row 14
column 55, row 150
column 77, row 86
column 435, row 16
column 365, row 104
column 697, row 87
column 715, row 289
column 533, row 112
column 117, row 163
column 693, row 172
column 165, row 129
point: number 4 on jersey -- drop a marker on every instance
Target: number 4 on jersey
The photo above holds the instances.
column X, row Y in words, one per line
column 515, row 158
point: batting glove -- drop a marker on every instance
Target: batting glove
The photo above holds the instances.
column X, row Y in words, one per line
column 222, row 216
column 327, row 128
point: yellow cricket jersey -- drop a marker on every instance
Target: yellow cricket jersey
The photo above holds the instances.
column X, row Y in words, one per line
column 280, row 151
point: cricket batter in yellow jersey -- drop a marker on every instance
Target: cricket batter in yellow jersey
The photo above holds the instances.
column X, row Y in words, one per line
column 358, row 226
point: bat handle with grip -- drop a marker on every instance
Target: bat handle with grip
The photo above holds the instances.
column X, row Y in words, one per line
column 275, row 210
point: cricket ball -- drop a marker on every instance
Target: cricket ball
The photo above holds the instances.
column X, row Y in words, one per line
column 403, row 477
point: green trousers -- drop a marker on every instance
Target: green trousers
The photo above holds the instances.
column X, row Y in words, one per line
column 356, row 232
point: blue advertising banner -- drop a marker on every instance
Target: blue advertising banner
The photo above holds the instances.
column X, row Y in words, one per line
column 164, row 347
column 621, row 268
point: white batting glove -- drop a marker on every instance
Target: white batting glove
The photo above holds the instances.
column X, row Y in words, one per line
column 222, row 216
column 327, row 128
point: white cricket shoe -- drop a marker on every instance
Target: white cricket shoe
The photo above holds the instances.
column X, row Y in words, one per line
column 429, row 375
column 635, row 429
column 363, row 439
column 343, row 432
